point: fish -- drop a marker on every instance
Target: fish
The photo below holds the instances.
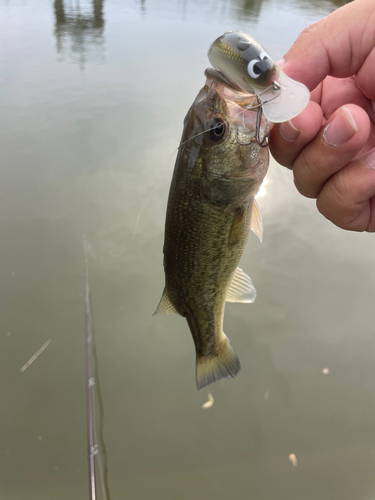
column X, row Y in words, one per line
column 211, row 209
column 249, row 68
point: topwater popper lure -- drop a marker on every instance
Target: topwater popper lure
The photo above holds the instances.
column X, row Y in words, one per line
column 247, row 67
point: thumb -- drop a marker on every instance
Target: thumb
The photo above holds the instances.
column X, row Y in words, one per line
column 337, row 45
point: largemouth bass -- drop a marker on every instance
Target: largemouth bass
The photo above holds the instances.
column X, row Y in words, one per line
column 211, row 208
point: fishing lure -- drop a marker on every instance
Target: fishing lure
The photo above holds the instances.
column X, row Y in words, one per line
column 247, row 67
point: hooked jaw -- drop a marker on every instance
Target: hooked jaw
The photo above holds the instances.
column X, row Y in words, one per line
column 245, row 110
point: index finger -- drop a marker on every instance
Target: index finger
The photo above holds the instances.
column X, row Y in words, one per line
column 337, row 45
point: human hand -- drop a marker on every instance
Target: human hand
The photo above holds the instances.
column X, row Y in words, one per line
column 331, row 145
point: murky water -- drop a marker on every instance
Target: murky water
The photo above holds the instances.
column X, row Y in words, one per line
column 92, row 98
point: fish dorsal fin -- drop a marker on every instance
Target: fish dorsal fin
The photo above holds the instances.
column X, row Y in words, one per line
column 241, row 288
column 256, row 221
column 165, row 305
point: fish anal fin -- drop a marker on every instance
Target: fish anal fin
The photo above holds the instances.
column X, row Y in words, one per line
column 165, row 305
column 223, row 364
column 241, row 288
column 256, row 221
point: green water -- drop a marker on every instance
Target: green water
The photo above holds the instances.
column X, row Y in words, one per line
column 92, row 98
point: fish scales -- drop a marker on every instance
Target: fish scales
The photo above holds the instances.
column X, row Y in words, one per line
column 208, row 220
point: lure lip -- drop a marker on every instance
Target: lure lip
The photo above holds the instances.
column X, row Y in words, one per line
column 291, row 100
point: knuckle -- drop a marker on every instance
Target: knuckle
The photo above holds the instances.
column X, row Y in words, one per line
column 340, row 188
column 336, row 203
column 284, row 157
column 307, row 174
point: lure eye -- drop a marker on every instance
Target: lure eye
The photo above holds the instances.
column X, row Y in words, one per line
column 218, row 130
column 258, row 66
column 264, row 57
column 253, row 68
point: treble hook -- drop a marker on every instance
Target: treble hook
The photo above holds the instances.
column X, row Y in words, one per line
column 238, row 140
column 263, row 143
column 275, row 87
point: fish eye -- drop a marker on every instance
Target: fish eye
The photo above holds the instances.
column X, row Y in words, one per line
column 218, row 130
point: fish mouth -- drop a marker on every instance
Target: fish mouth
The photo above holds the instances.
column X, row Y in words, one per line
column 222, row 104
column 242, row 107
column 215, row 75
column 228, row 90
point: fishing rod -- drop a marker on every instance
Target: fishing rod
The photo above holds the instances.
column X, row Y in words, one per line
column 90, row 381
column 94, row 399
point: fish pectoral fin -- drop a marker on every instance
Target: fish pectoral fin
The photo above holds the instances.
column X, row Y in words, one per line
column 256, row 221
column 165, row 305
column 241, row 288
column 224, row 363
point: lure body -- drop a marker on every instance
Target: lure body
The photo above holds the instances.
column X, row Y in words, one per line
column 243, row 61
column 248, row 68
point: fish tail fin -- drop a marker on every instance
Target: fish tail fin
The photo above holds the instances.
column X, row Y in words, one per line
column 224, row 363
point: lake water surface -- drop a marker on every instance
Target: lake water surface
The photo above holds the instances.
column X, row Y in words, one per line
column 92, row 98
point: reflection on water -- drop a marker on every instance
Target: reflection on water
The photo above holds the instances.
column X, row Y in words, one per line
column 325, row 6
column 142, row 4
column 80, row 27
column 241, row 10
column 247, row 9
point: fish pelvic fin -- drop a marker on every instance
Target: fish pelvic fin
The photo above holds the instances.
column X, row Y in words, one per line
column 256, row 221
column 241, row 288
column 165, row 305
column 224, row 364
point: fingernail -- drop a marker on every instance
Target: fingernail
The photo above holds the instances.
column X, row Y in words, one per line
column 288, row 131
column 341, row 129
column 280, row 62
column 370, row 159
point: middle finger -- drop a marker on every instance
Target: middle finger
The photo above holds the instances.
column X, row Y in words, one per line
column 337, row 143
